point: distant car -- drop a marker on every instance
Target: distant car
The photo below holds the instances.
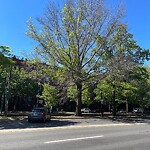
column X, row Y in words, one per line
column 96, row 111
column 39, row 114
column 85, row 110
column 122, row 111
column 137, row 110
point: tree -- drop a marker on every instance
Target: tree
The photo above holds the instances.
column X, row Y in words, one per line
column 140, row 80
column 75, row 37
column 22, row 85
column 4, row 56
column 6, row 66
column 50, row 94
column 87, row 94
column 103, row 91
column 122, row 56
column 2, row 86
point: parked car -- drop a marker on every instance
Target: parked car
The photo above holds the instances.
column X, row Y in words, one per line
column 96, row 111
column 85, row 110
column 39, row 114
column 137, row 110
column 122, row 111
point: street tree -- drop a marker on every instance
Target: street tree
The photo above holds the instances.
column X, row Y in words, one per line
column 4, row 56
column 103, row 91
column 6, row 67
column 140, row 80
column 50, row 94
column 74, row 37
column 22, row 85
column 123, row 55
column 87, row 94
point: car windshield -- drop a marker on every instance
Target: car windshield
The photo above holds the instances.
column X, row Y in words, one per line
column 37, row 110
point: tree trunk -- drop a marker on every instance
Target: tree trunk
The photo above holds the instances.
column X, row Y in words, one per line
column 79, row 99
column 114, row 101
column 109, row 107
column 2, row 102
column 6, row 105
column 7, row 90
column 127, row 106
column 16, row 102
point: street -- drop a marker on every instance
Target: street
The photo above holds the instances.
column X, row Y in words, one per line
column 112, row 136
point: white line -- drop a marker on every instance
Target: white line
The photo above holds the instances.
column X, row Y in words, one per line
column 75, row 139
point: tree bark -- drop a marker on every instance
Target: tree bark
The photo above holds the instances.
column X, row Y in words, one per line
column 127, row 106
column 16, row 102
column 7, row 90
column 79, row 99
column 2, row 102
column 114, row 101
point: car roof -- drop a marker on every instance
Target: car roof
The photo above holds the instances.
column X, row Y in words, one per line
column 41, row 108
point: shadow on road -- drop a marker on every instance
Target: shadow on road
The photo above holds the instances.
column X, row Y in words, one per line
column 23, row 123
column 130, row 120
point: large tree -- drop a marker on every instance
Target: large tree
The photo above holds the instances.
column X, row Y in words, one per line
column 4, row 56
column 122, row 55
column 74, row 38
column 5, row 67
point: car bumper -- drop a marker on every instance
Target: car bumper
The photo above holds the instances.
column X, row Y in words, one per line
column 35, row 118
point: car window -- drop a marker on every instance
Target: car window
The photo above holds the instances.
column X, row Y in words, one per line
column 47, row 111
column 37, row 110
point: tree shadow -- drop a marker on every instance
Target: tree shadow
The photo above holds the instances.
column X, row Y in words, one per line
column 23, row 123
column 130, row 119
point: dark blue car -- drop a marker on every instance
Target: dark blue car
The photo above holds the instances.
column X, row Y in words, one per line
column 39, row 114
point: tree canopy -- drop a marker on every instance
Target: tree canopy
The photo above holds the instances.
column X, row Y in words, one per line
column 74, row 37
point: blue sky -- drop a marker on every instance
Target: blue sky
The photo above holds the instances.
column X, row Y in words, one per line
column 15, row 13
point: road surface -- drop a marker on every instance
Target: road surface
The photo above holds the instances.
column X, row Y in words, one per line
column 121, row 136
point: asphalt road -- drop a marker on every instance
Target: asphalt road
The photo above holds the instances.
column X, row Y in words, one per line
column 110, row 136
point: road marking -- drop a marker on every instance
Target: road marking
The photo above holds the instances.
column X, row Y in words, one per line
column 75, row 139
